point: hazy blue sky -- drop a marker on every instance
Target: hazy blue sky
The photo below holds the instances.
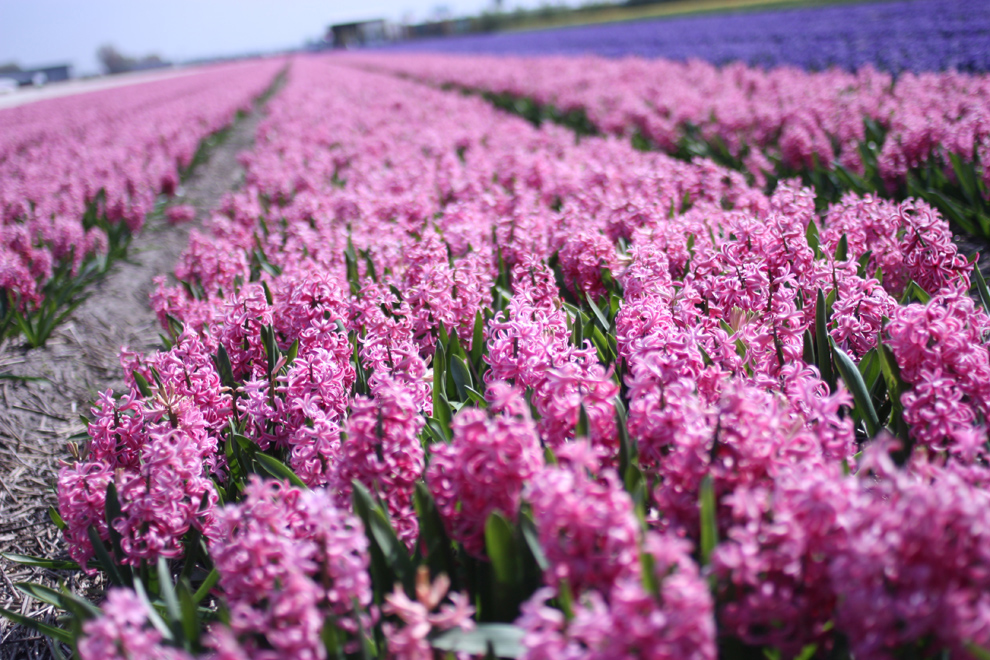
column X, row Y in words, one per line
column 38, row 32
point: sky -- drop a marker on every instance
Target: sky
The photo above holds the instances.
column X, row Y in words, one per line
column 44, row 32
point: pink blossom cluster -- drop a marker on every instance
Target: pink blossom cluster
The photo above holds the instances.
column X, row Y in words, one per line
column 906, row 241
column 785, row 115
column 124, row 632
column 588, row 528
column 288, row 559
column 409, row 641
column 627, row 620
column 530, row 345
column 117, row 149
column 940, row 349
column 383, row 452
column 893, row 558
column 157, row 453
column 483, row 470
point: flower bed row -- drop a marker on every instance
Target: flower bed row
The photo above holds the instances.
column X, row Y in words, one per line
column 79, row 175
column 440, row 381
column 919, row 135
column 904, row 35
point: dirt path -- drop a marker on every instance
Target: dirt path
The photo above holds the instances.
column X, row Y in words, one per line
column 39, row 417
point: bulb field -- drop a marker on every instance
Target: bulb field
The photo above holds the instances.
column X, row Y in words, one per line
column 491, row 357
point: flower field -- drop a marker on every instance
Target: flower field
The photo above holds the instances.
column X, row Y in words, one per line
column 917, row 135
column 895, row 35
column 62, row 225
column 441, row 381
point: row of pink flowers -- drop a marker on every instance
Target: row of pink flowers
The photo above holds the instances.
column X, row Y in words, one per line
column 785, row 114
column 131, row 143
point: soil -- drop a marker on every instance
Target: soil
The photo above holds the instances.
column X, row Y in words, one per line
column 43, row 391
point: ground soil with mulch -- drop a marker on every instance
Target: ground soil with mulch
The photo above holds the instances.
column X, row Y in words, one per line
column 43, row 391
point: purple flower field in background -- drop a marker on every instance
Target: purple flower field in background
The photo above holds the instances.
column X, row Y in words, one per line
column 916, row 35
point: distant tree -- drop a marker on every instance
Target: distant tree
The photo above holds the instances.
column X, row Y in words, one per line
column 113, row 61
column 10, row 67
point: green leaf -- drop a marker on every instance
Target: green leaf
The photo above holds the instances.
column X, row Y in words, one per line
column 106, row 561
column 532, row 539
column 113, row 511
column 224, row 368
column 914, row 290
column 433, row 537
column 454, row 346
column 955, row 213
column 851, row 180
column 808, row 348
column 40, row 562
column 41, row 593
column 577, row 329
column 709, row 523
column 977, row 651
column 443, row 338
column 477, row 397
column 626, row 449
column 167, row 591
column 981, row 289
column 566, row 598
column 381, row 534
column 814, row 241
column 368, row 650
column 863, row 261
column 609, row 282
column 279, row 470
column 394, row 550
column 370, row 264
column 968, row 180
column 153, row 616
column 439, row 367
column 649, row 574
column 57, row 634
column 293, row 352
column 206, row 586
column 503, row 638
column 500, row 544
column 602, row 319
column 895, row 387
column 80, row 607
column 442, row 413
column 854, row 381
column 462, row 377
column 478, row 340
column 822, row 351
column 435, row 430
column 842, row 249
column 187, row 606
column 330, row 635
column 582, row 429
column 869, row 369
column 605, row 354
column 142, row 384
column 56, row 518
